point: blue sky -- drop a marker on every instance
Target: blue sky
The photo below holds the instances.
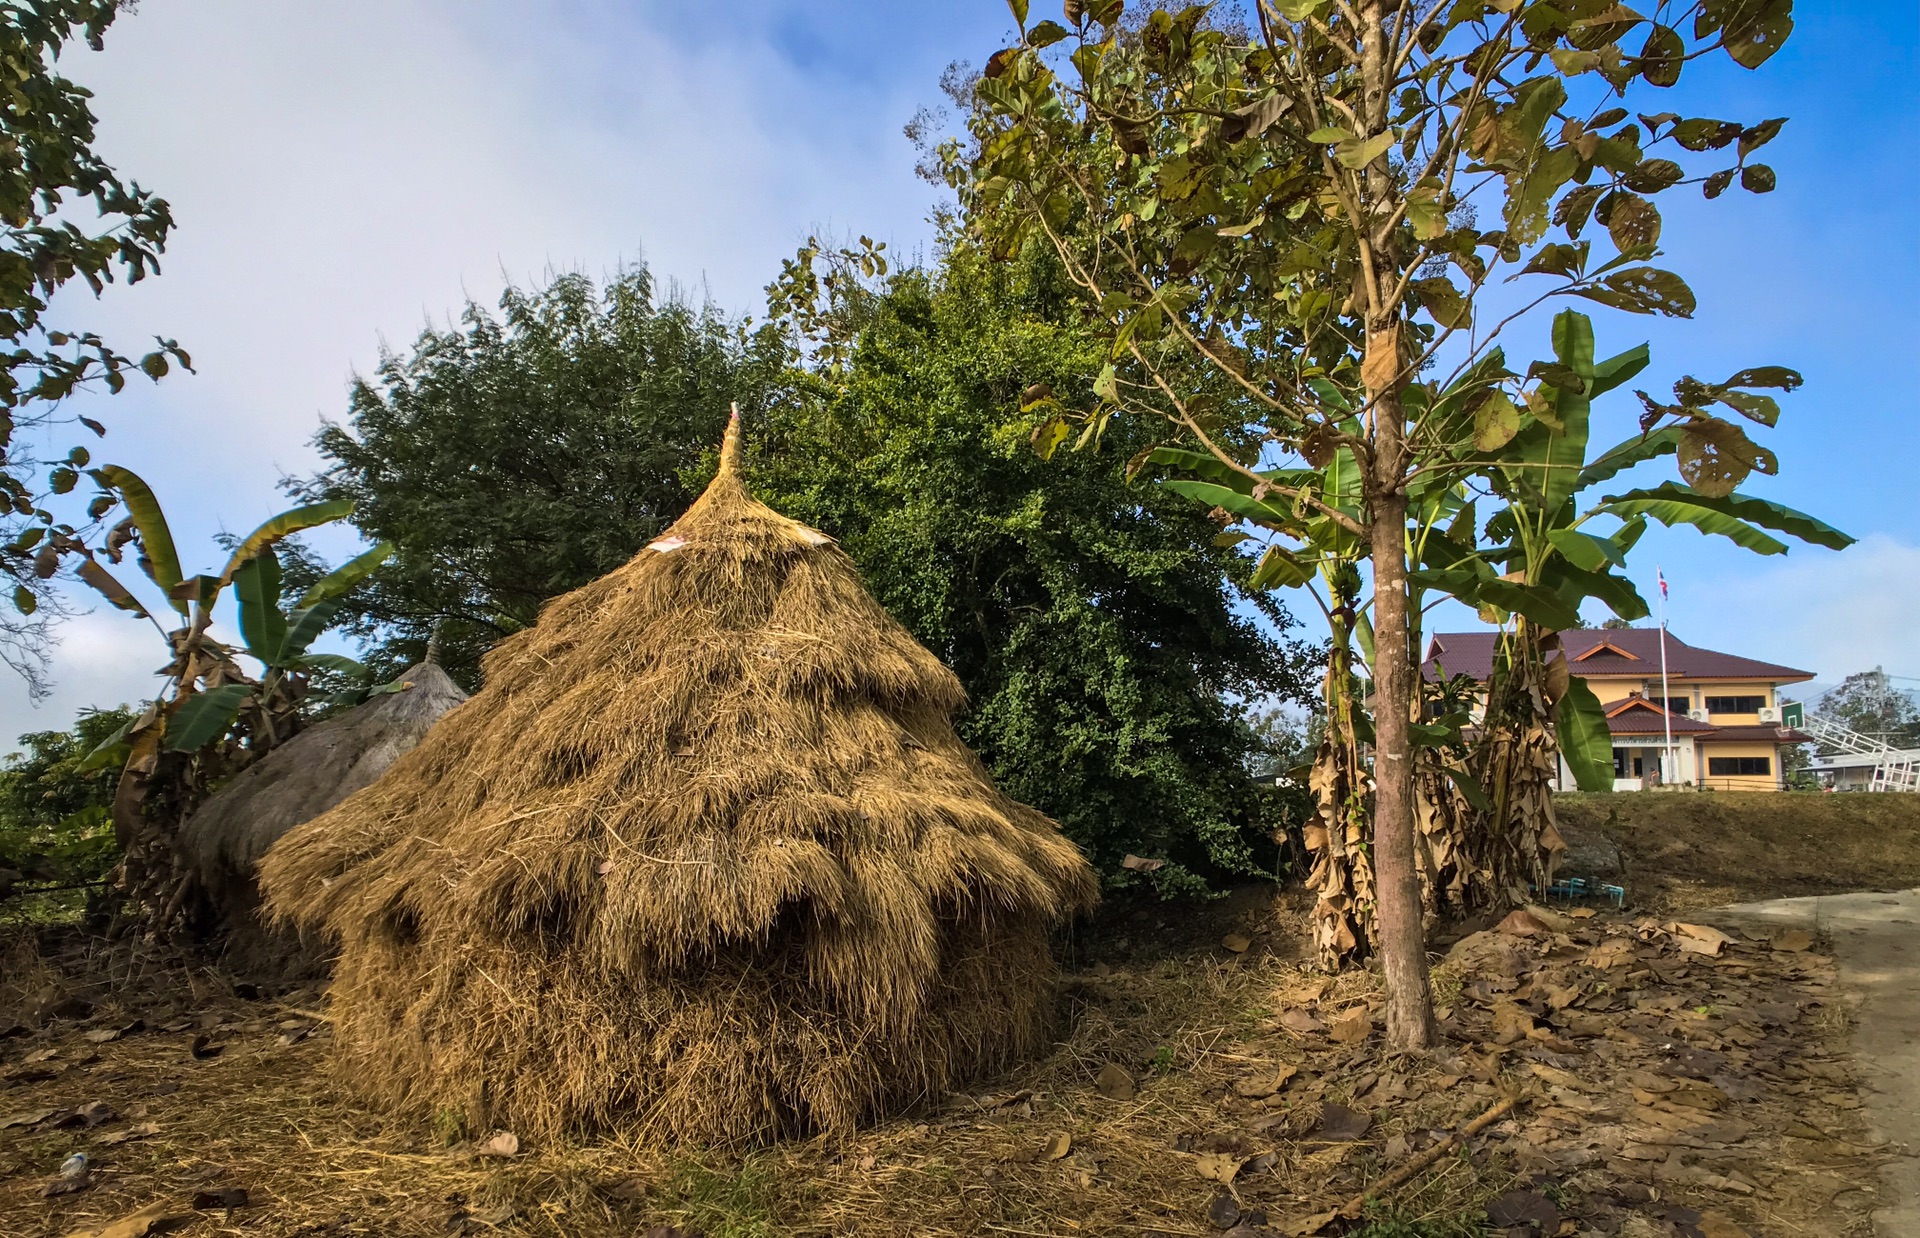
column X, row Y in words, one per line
column 343, row 174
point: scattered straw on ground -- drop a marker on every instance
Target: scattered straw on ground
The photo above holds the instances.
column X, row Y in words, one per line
column 1662, row 1088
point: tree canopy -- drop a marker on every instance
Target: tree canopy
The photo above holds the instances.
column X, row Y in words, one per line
column 1107, row 639
column 48, row 168
column 524, row 454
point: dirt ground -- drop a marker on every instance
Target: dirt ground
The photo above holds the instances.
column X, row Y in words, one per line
column 1708, row 849
column 1658, row 1080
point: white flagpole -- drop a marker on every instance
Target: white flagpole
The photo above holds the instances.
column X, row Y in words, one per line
column 1666, row 708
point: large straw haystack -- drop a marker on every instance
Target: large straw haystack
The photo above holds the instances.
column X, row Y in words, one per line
column 309, row 774
column 704, row 859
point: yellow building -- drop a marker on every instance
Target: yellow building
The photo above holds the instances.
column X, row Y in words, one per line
column 1722, row 710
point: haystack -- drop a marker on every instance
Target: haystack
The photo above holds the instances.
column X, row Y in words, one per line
column 704, row 860
column 309, row 774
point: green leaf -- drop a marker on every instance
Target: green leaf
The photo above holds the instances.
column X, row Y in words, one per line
column 1279, row 569
column 1585, row 742
column 1019, row 8
column 162, row 561
column 1673, row 504
column 1244, row 506
column 1617, row 369
column 1299, row 10
column 205, row 716
column 342, row 579
column 1757, row 178
column 285, row 525
column 304, row 627
column 1585, row 551
column 256, row 587
column 1540, row 605
column 1470, row 788
column 339, row 664
column 1327, row 135
column 24, row 601
column 1046, row 34
column 1624, row 456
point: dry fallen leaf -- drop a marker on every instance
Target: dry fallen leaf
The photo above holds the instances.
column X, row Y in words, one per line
column 1582, row 913
column 31, row 1117
column 1058, row 1145
column 1236, row 943
column 1300, row 1022
column 1257, row 1087
column 140, row 1131
column 1140, row 864
column 1114, row 1083
column 1609, row 954
column 1300, row 1227
column 1713, row 1225
column 1794, row 941
column 1218, row 1167
column 1698, row 938
column 1339, row 1124
column 500, row 1143
column 1353, row 1027
column 133, row 1225
column 1521, row 924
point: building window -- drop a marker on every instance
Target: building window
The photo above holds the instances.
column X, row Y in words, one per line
column 1673, row 704
column 1735, row 767
column 1736, row 704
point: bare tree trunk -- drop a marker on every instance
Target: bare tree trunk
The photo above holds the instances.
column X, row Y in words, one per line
column 1403, row 947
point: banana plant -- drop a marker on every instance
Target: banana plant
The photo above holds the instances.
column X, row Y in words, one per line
column 212, row 717
column 1552, row 546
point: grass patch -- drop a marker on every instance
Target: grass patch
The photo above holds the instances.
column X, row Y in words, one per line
column 735, row 1202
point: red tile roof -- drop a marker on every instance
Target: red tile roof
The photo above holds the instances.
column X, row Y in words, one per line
column 1638, row 716
column 1637, row 656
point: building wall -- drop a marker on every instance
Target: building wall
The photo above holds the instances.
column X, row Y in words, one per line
column 1740, row 782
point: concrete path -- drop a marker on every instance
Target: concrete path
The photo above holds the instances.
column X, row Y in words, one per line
column 1876, row 943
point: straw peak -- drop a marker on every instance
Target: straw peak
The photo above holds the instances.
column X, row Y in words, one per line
column 730, row 445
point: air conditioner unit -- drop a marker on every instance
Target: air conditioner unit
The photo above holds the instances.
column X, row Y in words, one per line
column 1770, row 715
column 1698, row 715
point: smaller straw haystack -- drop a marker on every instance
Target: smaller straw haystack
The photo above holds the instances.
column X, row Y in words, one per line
column 307, row 775
column 703, row 860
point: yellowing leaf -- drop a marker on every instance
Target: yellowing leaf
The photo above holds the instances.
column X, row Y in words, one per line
column 1357, row 153
column 1495, row 422
column 1058, row 1145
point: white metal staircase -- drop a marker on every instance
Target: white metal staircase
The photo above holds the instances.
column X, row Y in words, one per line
column 1894, row 769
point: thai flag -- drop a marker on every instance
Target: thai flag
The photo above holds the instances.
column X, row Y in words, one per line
column 1663, row 583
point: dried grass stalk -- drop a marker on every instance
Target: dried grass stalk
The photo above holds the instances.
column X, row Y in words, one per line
column 704, row 860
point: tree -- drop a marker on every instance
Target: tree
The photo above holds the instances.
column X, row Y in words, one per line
column 56, row 827
column 1868, row 703
column 47, row 168
column 1104, row 635
column 1296, row 200
column 522, row 456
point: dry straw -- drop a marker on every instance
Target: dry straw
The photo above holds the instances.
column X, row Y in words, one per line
column 704, row 860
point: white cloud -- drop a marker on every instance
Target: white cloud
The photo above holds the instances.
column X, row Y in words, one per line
column 1826, row 612
column 342, row 174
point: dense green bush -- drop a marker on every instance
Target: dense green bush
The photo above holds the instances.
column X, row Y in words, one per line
column 1102, row 636
column 55, row 816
